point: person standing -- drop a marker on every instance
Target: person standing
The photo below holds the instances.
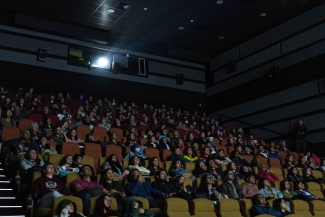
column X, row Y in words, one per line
column 300, row 132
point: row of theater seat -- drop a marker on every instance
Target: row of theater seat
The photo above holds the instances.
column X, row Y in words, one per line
column 175, row 207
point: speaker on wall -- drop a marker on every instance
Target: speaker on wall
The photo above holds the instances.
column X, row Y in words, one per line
column 41, row 54
column 179, row 79
column 274, row 72
column 232, row 65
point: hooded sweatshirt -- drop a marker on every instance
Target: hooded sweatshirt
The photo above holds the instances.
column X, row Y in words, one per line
column 62, row 212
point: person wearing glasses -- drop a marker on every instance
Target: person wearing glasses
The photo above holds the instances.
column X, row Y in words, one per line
column 230, row 186
column 135, row 187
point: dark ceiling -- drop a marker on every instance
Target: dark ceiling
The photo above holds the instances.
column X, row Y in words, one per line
column 157, row 27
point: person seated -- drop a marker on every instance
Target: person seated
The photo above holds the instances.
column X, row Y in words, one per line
column 131, row 140
column 177, row 155
column 105, row 124
column 45, row 149
column 230, row 186
column 283, row 146
column 285, row 188
column 102, row 208
column 206, row 153
column 231, row 142
column 302, row 163
column 189, row 155
column 153, row 143
column 115, row 188
column 30, row 164
column 58, row 137
column 77, row 161
column 267, row 191
column 249, row 187
column 164, row 144
column 322, row 165
column 73, row 137
column 282, row 206
column 148, row 134
column 260, row 207
column 67, row 208
column 113, row 163
column 135, row 163
column 273, row 153
column 213, row 169
column 300, row 190
column 289, row 162
column 7, row 120
column 221, row 157
column 190, row 138
column 34, row 134
column 201, row 169
column 177, row 169
column 311, row 163
column 87, row 186
column 154, row 166
column 136, row 151
column 209, row 144
column 17, row 116
column 314, row 156
column 238, row 159
column 113, row 140
column 47, row 125
column 208, row 189
column 143, row 189
column 184, row 191
column 293, row 175
column 195, row 147
column 48, row 186
column 265, row 172
column 308, row 176
column 262, row 152
column 162, row 184
column 66, row 166
column 232, row 167
column 164, row 134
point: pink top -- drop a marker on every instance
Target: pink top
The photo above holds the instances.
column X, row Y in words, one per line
column 85, row 184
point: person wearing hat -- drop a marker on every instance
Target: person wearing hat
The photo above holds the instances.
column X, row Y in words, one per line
column 67, row 208
column 249, row 188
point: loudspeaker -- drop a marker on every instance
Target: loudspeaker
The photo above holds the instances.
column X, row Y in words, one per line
column 232, row 66
column 41, row 54
column 179, row 79
column 274, row 72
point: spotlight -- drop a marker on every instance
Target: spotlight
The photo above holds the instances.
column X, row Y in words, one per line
column 102, row 62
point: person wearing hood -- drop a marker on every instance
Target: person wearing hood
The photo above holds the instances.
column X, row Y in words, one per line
column 67, row 208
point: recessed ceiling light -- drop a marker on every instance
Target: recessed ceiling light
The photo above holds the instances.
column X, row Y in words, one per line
column 110, row 11
column 192, row 21
column 221, row 37
column 219, row 2
column 181, row 28
column 263, row 14
column 145, row 9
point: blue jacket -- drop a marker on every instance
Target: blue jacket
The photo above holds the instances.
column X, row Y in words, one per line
column 175, row 172
column 259, row 210
column 305, row 193
column 265, row 192
column 142, row 189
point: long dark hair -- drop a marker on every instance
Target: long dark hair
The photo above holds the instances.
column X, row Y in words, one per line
column 69, row 136
column 101, row 209
column 151, row 163
column 261, row 183
column 64, row 159
column 203, row 183
column 173, row 166
column 290, row 172
column 115, row 165
column 277, row 203
column 27, row 156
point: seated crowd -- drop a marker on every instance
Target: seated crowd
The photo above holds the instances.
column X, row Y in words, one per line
column 226, row 163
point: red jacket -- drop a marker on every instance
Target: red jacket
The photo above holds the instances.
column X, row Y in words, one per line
column 269, row 176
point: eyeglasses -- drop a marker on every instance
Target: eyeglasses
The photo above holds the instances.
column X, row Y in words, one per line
column 136, row 174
